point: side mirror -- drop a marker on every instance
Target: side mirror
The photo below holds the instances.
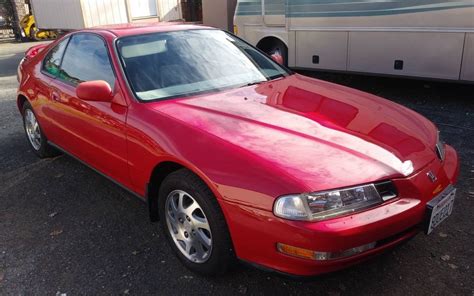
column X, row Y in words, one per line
column 276, row 57
column 96, row 90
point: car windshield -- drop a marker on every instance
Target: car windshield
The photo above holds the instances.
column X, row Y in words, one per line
column 183, row 63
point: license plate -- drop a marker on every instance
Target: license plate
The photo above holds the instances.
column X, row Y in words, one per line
column 440, row 207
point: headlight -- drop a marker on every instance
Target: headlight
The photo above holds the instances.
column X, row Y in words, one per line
column 440, row 151
column 326, row 204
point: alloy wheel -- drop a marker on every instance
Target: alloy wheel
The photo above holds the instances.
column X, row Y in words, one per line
column 188, row 226
column 32, row 129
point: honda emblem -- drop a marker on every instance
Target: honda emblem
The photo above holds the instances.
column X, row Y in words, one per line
column 432, row 176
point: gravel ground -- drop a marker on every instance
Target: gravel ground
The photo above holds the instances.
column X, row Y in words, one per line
column 64, row 228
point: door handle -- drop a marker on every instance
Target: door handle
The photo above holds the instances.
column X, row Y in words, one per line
column 55, row 96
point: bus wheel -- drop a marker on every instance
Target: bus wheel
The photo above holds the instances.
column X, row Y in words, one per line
column 273, row 46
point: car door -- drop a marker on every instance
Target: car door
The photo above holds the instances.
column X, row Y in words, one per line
column 92, row 131
column 48, row 71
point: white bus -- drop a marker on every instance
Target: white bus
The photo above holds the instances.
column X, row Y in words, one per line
column 418, row 38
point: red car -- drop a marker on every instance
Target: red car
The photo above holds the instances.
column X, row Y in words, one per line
column 237, row 156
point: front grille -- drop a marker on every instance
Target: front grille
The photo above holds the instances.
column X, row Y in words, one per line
column 387, row 190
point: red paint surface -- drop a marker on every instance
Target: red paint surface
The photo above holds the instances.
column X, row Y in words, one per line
column 251, row 145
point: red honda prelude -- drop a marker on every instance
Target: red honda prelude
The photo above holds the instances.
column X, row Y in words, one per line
column 235, row 155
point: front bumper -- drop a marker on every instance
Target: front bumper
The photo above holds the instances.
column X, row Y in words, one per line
column 256, row 232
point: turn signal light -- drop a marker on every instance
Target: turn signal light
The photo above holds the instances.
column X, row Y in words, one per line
column 321, row 256
column 295, row 251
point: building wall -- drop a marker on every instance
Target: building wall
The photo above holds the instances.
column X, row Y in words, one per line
column 103, row 12
column 219, row 13
column 78, row 14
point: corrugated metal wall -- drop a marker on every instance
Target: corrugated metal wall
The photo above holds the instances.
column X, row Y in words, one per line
column 78, row 14
column 104, row 12
column 58, row 14
column 169, row 10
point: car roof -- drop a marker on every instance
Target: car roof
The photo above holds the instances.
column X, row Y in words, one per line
column 146, row 28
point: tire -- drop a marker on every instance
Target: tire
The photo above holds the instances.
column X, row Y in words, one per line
column 275, row 46
column 282, row 51
column 38, row 142
column 186, row 186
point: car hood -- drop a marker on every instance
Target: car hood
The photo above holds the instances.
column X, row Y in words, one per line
column 322, row 134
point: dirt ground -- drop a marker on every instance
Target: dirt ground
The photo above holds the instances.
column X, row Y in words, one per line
column 65, row 229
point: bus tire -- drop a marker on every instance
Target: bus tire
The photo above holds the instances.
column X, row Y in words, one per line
column 272, row 45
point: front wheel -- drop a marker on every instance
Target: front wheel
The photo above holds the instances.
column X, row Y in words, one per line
column 194, row 224
column 35, row 135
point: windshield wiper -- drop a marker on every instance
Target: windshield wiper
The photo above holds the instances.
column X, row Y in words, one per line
column 252, row 83
column 256, row 82
column 276, row 76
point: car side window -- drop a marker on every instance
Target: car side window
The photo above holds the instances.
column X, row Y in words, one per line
column 86, row 58
column 52, row 61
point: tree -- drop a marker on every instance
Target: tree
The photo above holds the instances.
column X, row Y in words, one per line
column 19, row 11
column 6, row 12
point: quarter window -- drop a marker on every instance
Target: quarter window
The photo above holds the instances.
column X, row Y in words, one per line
column 52, row 61
column 86, row 58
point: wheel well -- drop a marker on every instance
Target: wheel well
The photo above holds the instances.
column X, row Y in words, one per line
column 20, row 102
column 159, row 173
column 270, row 42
